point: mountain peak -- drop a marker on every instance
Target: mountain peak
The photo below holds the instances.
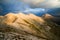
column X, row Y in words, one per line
column 47, row 16
column 26, row 24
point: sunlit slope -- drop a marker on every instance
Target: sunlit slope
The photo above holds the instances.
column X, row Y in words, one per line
column 27, row 24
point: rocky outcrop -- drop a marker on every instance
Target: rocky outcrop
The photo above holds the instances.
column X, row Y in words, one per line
column 29, row 26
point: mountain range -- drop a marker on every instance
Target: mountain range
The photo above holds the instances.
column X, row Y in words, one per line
column 29, row 25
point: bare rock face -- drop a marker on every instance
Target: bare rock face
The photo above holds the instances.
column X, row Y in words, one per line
column 25, row 27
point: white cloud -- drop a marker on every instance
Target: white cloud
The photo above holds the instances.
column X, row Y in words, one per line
column 52, row 3
column 34, row 1
column 43, row 3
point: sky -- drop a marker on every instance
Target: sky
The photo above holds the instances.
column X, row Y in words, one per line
column 34, row 6
column 43, row 3
column 38, row 3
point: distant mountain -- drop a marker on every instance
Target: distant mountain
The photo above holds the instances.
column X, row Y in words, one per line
column 54, row 19
column 28, row 25
column 47, row 16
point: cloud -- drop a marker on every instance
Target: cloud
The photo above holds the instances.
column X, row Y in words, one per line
column 43, row 3
column 36, row 11
column 37, row 3
column 33, row 1
column 52, row 3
